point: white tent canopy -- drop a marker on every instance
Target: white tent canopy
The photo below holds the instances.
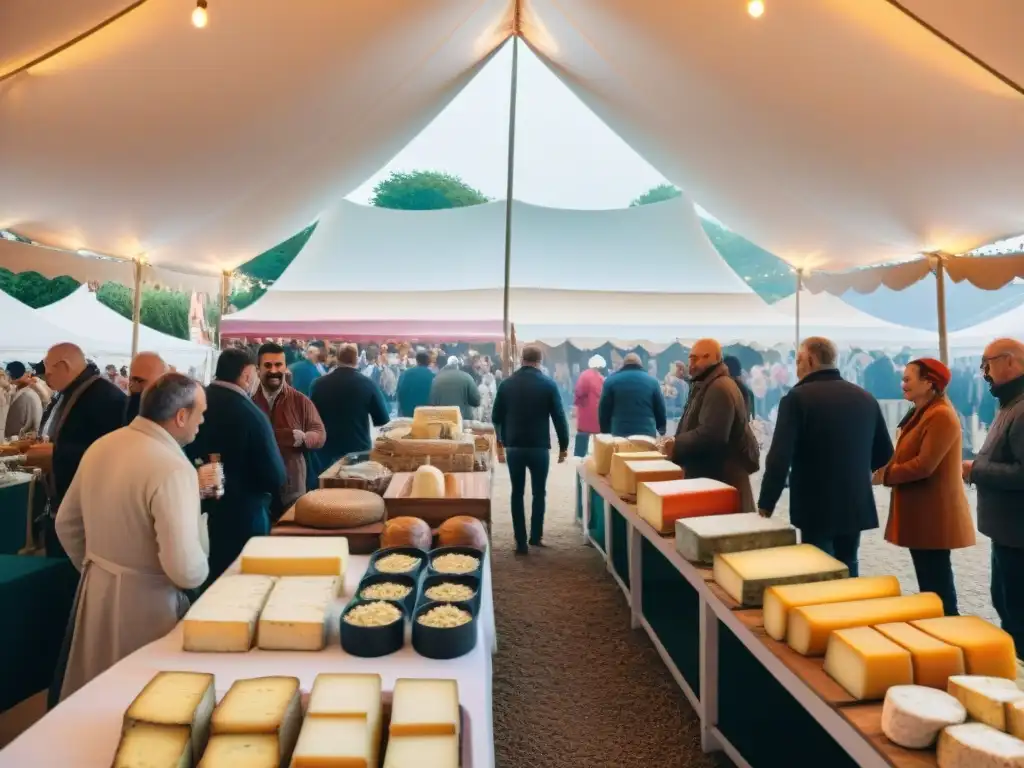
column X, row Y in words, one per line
column 822, row 314
column 821, row 130
column 974, row 339
column 81, row 309
column 28, row 335
column 645, row 273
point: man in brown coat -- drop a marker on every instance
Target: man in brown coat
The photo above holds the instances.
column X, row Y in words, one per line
column 712, row 439
column 296, row 423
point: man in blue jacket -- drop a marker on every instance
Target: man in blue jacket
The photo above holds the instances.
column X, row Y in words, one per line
column 631, row 402
column 526, row 402
column 414, row 385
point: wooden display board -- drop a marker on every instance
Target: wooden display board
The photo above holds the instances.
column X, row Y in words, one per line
column 474, row 499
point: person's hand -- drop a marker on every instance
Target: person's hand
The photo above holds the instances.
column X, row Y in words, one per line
column 878, row 476
column 561, row 456
column 764, row 512
column 668, row 446
column 966, row 470
column 300, row 437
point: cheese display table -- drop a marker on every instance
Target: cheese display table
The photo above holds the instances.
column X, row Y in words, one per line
column 759, row 701
column 84, row 730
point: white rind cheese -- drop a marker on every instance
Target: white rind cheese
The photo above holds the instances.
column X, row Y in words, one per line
column 913, row 715
column 699, row 539
column 985, row 698
column 295, row 555
column 224, row 619
column 294, row 618
column 976, row 745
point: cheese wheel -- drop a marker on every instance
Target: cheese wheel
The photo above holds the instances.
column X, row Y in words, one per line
column 427, row 483
column 913, row 715
column 976, row 745
column 462, row 531
column 406, row 532
column 339, row 508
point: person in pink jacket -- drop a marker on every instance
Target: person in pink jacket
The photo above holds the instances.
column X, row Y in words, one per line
column 588, row 395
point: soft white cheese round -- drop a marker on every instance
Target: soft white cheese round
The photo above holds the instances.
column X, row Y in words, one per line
column 913, row 715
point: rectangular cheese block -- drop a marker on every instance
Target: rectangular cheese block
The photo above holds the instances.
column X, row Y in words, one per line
column 986, row 698
column 810, row 625
column 746, row 575
column 867, row 663
column 618, row 476
column 976, row 745
column 424, row 707
column 988, row 650
column 294, row 618
column 643, row 443
column 934, row 661
column 637, row 472
column 345, row 695
column 426, row 417
column 242, row 750
column 660, row 504
column 262, row 705
column 223, row 619
column 422, row 752
column 335, row 742
column 1015, row 718
column 779, row 601
column 296, row 555
column 606, row 446
column 177, row 699
column 699, row 539
column 154, row 746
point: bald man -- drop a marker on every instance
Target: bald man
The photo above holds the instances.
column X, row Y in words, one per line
column 90, row 407
column 146, row 368
column 998, row 473
column 713, row 438
column 631, row 402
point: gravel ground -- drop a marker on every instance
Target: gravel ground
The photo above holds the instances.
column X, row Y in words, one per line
column 575, row 686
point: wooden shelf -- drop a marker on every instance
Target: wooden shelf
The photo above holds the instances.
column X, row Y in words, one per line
column 867, row 719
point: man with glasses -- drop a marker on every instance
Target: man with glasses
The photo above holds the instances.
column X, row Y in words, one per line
column 998, row 473
column 146, row 368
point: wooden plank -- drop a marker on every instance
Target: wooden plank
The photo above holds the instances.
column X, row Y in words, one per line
column 867, row 719
column 721, row 595
column 474, row 499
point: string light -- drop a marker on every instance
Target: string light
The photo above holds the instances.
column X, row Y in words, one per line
column 756, row 8
column 199, row 17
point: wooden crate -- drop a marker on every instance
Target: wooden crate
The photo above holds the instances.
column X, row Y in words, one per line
column 474, row 499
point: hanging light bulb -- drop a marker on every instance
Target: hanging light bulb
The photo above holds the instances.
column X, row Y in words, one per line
column 756, row 8
column 199, row 17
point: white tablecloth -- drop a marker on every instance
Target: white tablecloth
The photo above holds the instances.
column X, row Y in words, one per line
column 83, row 731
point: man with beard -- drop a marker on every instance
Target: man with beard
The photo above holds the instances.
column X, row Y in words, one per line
column 998, row 473
column 294, row 419
column 146, row 368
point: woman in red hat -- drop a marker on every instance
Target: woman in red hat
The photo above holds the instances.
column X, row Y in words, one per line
column 928, row 513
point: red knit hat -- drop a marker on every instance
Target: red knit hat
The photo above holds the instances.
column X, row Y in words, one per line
column 934, row 371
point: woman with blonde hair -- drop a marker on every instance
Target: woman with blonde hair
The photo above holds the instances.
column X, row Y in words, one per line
column 928, row 513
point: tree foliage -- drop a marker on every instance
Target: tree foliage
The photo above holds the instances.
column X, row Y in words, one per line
column 270, row 265
column 35, row 290
column 425, row 191
column 765, row 272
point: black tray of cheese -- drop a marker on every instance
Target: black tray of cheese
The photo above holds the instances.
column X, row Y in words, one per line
column 444, row 642
column 441, row 552
column 373, row 641
column 411, row 583
column 381, row 554
column 461, row 579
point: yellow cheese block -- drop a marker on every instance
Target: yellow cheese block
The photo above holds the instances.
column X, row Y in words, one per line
column 424, row 707
column 422, row 752
column 779, row 601
column 427, row 483
column 606, row 446
column 224, row 619
column 154, row 746
column 1015, row 718
column 618, row 475
column 866, row 663
column 294, row 618
column 637, row 472
column 746, row 575
column 345, row 695
column 643, row 443
column 810, row 625
column 335, row 742
column 177, row 698
column 986, row 698
column 242, row 750
column 296, row 555
column 934, row 661
column 988, row 650
column 426, row 420
column 262, row 705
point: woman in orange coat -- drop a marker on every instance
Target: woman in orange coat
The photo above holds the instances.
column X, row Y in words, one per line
column 928, row 513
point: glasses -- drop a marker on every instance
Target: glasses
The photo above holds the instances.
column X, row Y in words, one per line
column 985, row 361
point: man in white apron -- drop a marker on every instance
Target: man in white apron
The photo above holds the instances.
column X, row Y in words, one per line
column 130, row 522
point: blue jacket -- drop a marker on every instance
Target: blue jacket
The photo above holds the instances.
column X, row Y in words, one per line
column 631, row 404
column 347, row 401
column 414, row 389
column 525, row 402
column 304, row 373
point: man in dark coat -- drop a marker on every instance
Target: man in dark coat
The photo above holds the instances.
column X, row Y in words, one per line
column 830, row 437
column 414, row 385
column 524, row 406
column 240, row 433
column 632, row 402
column 347, row 401
column 90, row 406
column 713, row 438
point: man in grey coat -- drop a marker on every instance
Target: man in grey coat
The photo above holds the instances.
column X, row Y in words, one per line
column 998, row 473
column 453, row 386
column 26, row 409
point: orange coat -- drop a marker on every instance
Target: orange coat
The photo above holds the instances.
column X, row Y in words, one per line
column 929, row 508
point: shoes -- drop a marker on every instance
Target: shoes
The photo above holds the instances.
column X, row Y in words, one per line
column 522, row 549
column 537, row 543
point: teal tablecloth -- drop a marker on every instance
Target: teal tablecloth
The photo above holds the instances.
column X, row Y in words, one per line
column 14, row 500
column 36, row 594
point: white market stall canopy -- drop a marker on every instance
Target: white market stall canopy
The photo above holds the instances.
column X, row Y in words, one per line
column 822, row 314
column 28, row 335
column 835, row 134
column 646, row 273
column 972, row 340
column 82, row 309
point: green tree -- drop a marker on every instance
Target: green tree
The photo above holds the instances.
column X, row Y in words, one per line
column 425, row 191
column 271, row 264
column 33, row 289
column 765, row 272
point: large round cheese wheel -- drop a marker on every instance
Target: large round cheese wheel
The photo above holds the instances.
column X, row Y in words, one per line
column 339, row 508
column 406, row 532
column 427, row 483
column 462, row 531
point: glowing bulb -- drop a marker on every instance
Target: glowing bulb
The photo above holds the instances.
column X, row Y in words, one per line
column 199, row 17
column 756, row 8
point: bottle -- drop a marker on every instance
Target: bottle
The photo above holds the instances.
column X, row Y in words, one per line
column 218, row 488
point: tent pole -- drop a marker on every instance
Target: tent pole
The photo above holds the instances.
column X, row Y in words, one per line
column 225, row 287
column 510, row 178
column 799, row 289
column 940, row 300
column 136, row 304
